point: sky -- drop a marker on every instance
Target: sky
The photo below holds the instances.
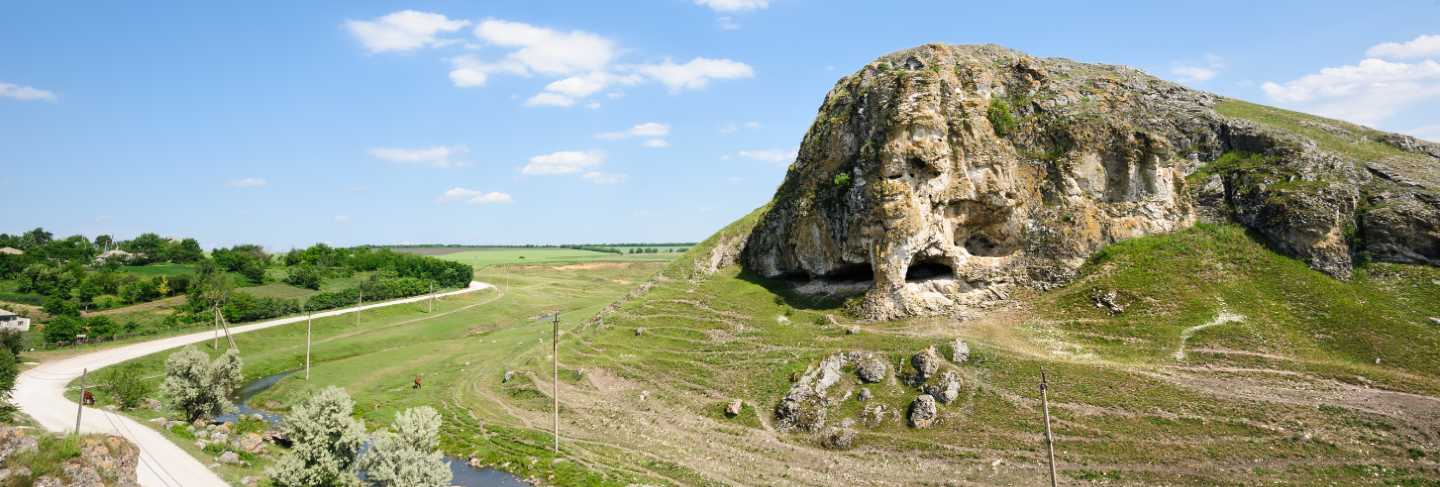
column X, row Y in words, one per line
column 509, row 122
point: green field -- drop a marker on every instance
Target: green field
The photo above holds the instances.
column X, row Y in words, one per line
column 1320, row 382
column 545, row 255
column 153, row 270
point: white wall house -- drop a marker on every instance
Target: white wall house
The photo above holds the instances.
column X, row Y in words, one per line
column 12, row 321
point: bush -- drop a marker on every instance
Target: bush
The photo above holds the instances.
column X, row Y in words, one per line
column 198, row 386
column 62, row 329
column 100, row 327
column 61, row 307
column 1002, row 118
column 242, row 307
column 9, row 369
column 406, row 455
column 304, row 276
column 326, row 441
column 127, row 385
column 107, row 301
column 13, row 341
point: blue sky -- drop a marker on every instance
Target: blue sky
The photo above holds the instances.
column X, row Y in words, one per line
column 288, row 123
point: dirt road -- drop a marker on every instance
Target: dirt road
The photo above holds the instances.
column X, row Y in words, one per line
column 40, row 393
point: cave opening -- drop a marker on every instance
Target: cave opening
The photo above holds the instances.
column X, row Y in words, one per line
column 851, row 273
column 925, row 270
column 981, row 245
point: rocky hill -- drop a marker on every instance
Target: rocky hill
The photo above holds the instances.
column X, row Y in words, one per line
column 936, row 180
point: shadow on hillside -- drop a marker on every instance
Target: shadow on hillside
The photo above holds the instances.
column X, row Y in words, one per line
column 786, row 292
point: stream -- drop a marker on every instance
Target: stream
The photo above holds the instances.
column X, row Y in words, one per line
column 463, row 474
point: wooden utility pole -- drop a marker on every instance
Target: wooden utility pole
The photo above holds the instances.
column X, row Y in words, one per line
column 1049, row 438
column 226, row 326
column 309, row 318
column 83, row 385
column 215, row 345
column 555, row 386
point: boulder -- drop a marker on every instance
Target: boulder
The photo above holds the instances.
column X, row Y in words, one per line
column 251, row 442
column 865, row 395
column 509, row 374
column 872, row 369
column 838, row 438
column 229, row 458
column 945, row 390
column 923, row 412
column 14, row 441
column 926, row 362
column 959, row 351
column 639, row 331
column 733, row 409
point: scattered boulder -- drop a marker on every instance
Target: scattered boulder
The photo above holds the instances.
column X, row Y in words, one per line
column 18, row 472
column 1434, row 320
column 14, row 441
column 509, row 374
column 865, row 395
column 923, row 412
column 854, row 330
column 959, row 351
column 838, row 438
column 926, row 363
column 1107, row 300
column 639, row 331
column 872, row 369
column 947, row 389
column 251, row 442
column 733, row 409
column 229, row 458
column 804, row 407
column 219, row 437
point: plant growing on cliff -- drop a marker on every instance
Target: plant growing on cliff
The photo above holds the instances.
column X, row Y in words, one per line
column 199, row 386
column 842, row 180
column 327, row 440
column 405, row 456
column 1002, row 117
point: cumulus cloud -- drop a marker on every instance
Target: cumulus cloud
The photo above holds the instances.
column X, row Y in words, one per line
column 647, row 129
column 733, row 5
column 247, row 183
column 25, row 93
column 405, row 30
column 1195, row 72
column 473, row 197
column 1368, row 92
column 1424, row 46
column 437, row 156
column 773, row 156
column 563, row 162
column 583, row 62
column 696, row 73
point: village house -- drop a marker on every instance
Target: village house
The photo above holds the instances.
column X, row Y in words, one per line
column 12, row 321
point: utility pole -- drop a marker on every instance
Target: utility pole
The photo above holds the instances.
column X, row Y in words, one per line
column 78, row 410
column 555, row 367
column 226, row 325
column 309, row 318
column 1049, row 438
column 215, row 345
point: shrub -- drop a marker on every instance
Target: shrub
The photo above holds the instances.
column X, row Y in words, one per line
column 13, row 341
column 1002, row 118
column 304, row 276
column 9, row 369
column 127, row 385
column 842, row 180
column 326, row 442
column 100, row 327
column 62, row 329
column 406, row 455
column 198, row 386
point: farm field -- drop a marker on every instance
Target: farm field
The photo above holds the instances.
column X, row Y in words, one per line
column 545, row 255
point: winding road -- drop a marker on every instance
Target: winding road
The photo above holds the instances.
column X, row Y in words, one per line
column 40, row 393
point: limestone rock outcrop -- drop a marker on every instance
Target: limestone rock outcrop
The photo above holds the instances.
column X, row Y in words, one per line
column 936, row 179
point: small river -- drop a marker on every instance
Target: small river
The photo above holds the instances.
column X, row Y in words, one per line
column 463, row 474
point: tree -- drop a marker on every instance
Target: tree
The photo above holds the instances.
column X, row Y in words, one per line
column 13, row 341
column 199, row 386
column 185, row 251
column 210, row 287
column 35, row 238
column 104, row 242
column 63, row 329
column 9, row 369
column 304, row 276
column 405, row 456
column 149, row 247
column 127, row 385
column 55, row 306
column 326, row 442
column 101, row 327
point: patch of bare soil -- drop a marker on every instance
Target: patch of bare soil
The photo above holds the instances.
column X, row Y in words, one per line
column 591, row 266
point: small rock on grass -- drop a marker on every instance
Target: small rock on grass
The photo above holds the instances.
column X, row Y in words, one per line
column 733, row 409
column 639, row 331
column 926, row 363
column 872, row 369
column 923, row 412
column 1434, row 320
column 854, row 330
column 959, row 351
column 865, row 394
column 838, row 438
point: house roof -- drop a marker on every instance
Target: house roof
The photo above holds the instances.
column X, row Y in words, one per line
column 6, row 313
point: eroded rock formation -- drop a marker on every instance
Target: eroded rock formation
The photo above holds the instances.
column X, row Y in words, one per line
column 937, row 178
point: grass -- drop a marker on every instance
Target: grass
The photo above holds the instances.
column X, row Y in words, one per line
column 282, row 290
column 501, row 256
column 155, row 270
column 646, row 407
column 1342, row 137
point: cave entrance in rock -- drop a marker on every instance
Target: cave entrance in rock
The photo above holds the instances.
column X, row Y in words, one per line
column 926, row 270
column 851, row 273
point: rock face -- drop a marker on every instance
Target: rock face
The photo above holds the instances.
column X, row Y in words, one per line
column 937, row 178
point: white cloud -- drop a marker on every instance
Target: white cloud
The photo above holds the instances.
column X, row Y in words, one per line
column 548, row 51
column 647, row 129
column 598, row 177
column 1420, row 47
column 695, row 74
column 565, row 92
column 437, row 156
column 563, row 162
column 1367, row 93
column 656, row 143
column 474, row 197
column 25, row 93
column 403, row 31
column 1205, row 70
column 547, row 99
column 733, row 5
column 773, row 156
column 247, row 183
